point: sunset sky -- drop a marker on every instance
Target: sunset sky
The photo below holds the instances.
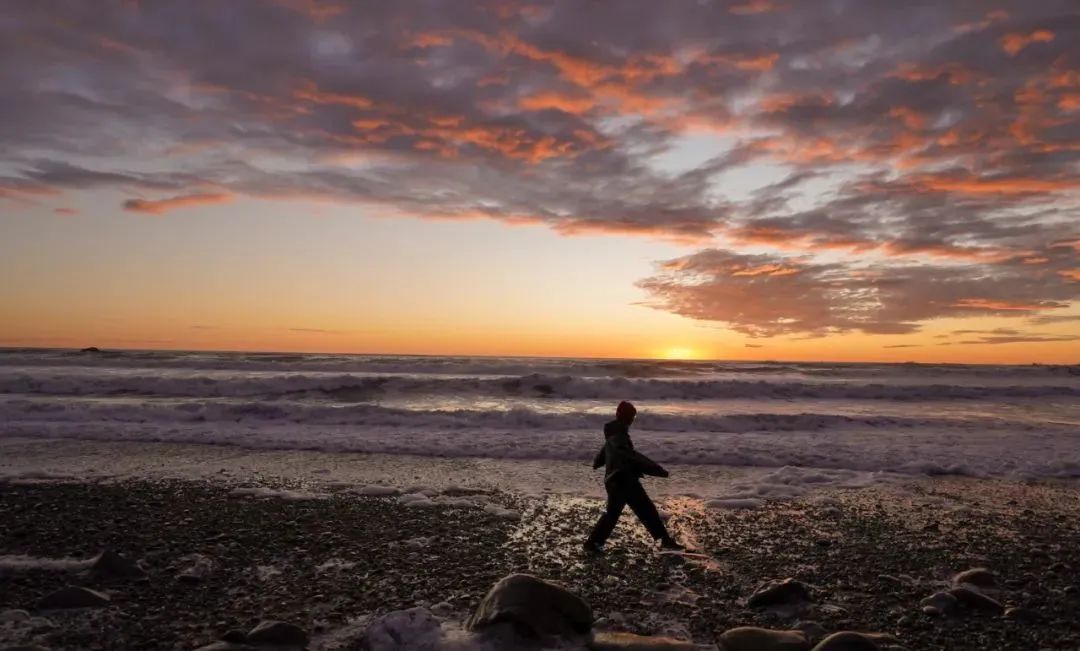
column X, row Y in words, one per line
column 755, row 179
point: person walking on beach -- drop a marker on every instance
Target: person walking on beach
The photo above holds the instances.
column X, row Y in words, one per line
column 623, row 469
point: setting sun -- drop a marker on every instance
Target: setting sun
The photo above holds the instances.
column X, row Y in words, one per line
column 679, row 352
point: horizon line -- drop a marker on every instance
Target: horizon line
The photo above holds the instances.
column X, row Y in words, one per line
column 4, row 348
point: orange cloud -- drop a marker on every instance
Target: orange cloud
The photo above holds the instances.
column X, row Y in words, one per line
column 956, row 74
column 802, row 240
column 1004, row 186
column 1071, row 274
column 575, row 104
column 1069, row 102
column 756, row 62
column 766, row 270
column 313, row 9
column 600, row 79
column 429, row 39
column 1002, row 306
column 22, row 192
column 689, row 234
column 781, row 102
column 310, row 92
column 162, row 206
column 992, row 17
column 911, row 119
column 754, row 7
column 1013, row 43
column 66, row 211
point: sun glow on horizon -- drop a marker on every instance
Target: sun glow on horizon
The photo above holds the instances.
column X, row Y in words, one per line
column 679, row 352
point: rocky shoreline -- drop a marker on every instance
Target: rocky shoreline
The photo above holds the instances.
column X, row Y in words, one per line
column 191, row 562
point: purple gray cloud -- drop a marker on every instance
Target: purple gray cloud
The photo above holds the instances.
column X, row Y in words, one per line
column 929, row 153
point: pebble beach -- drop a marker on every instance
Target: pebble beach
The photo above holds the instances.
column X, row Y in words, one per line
column 214, row 559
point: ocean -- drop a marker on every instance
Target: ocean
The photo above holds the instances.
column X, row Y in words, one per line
column 1011, row 422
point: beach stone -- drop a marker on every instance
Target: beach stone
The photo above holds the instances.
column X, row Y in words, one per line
column 278, row 634
column 14, row 615
column 199, row 568
column 941, row 602
column 779, row 593
column 111, row 564
column 752, row 638
column 415, row 629
column 980, row 577
column 977, row 600
column 813, row 630
column 227, row 646
column 847, row 641
column 631, row 642
column 25, row 647
column 536, row 607
column 73, row 597
column 932, row 611
column 1021, row 614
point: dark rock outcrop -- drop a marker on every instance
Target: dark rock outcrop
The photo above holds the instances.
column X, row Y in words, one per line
column 780, row 593
column 535, row 607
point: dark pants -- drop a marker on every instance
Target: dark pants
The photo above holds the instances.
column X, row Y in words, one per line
column 622, row 491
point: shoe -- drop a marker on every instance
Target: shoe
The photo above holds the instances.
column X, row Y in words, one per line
column 592, row 548
column 670, row 545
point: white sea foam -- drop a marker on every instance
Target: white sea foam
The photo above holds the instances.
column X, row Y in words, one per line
column 279, row 493
column 361, row 386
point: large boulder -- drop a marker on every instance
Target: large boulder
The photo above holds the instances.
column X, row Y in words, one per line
column 631, row 642
column 535, row 607
column 788, row 592
column 73, row 597
column 752, row 638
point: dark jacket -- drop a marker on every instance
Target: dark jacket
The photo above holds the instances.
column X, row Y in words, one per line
column 619, row 457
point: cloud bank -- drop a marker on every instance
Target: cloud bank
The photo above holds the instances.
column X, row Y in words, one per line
column 882, row 164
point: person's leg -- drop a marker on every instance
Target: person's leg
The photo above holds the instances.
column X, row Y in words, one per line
column 646, row 511
column 606, row 524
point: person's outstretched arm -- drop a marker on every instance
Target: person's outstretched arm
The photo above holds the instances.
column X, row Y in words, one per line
column 649, row 467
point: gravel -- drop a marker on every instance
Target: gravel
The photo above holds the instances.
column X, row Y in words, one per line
column 326, row 564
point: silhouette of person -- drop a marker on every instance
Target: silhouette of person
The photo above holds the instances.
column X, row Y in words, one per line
column 623, row 469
